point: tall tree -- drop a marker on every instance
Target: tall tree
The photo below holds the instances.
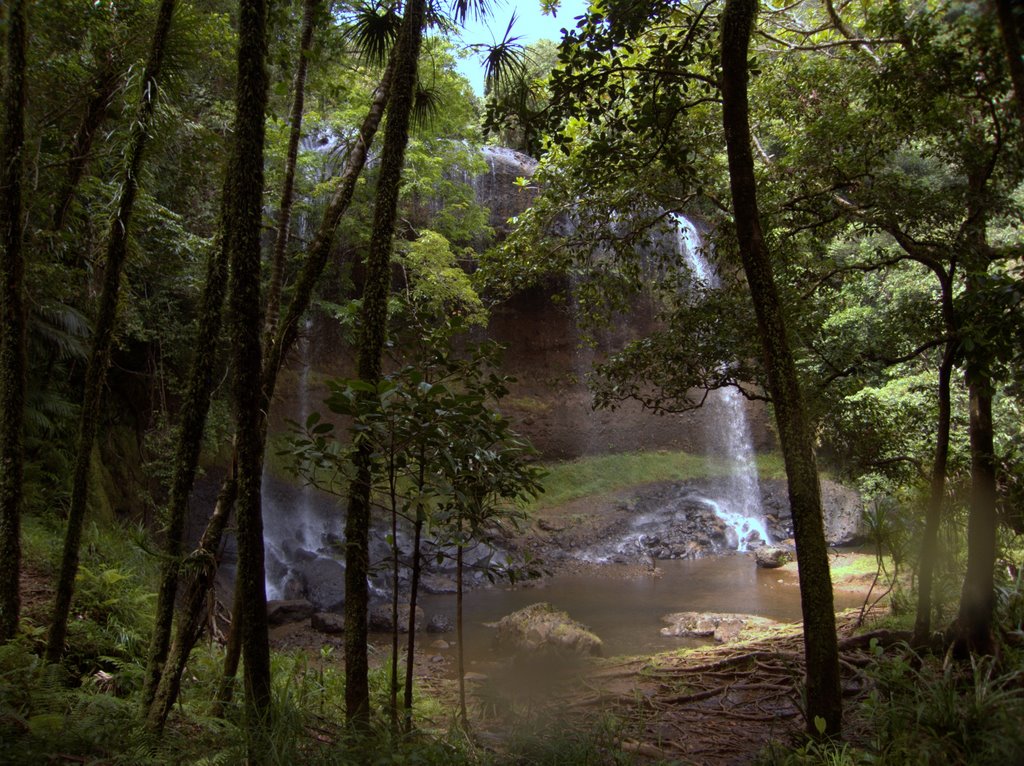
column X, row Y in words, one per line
column 242, row 228
column 284, row 211
column 824, row 693
column 195, row 406
column 99, row 359
column 12, row 315
column 373, row 330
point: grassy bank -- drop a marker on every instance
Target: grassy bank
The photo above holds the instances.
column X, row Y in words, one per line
column 598, row 474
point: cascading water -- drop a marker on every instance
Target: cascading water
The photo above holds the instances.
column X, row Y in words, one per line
column 740, row 507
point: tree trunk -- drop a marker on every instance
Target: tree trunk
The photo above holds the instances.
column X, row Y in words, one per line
column 973, row 629
column 232, row 656
column 933, row 516
column 242, row 233
column 1011, row 25
column 12, row 306
column 316, row 259
column 393, row 492
column 320, row 249
column 99, row 359
column 414, row 587
column 284, row 213
column 194, row 410
column 374, row 328
column 824, row 695
column 202, row 572
column 977, row 599
column 459, row 645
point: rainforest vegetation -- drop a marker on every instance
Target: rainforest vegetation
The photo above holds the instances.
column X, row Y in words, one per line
column 200, row 199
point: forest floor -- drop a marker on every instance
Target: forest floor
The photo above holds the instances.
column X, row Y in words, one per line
column 715, row 706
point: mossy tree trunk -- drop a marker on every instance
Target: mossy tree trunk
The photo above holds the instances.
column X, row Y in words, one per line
column 243, row 221
column 99, row 358
column 824, row 694
column 284, row 212
column 200, row 572
column 12, row 315
column 373, row 331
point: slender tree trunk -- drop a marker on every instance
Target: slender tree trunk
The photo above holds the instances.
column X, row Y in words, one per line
column 393, row 492
column 194, row 410
column 99, row 359
column 313, row 265
column 95, row 114
column 12, row 314
column 374, row 328
column 459, row 643
column 201, row 575
column 414, row 587
column 284, row 213
column 824, row 694
column 232, row 656
column 1011, row 24
column 937, row 494
column 320, row 248
column 242, row 232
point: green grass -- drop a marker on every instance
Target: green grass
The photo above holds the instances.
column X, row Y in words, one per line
column 599, row 474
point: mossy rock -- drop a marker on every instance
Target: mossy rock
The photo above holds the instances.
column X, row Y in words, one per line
column 540, row 628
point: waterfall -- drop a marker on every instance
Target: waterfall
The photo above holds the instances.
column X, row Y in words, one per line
column 740, row 506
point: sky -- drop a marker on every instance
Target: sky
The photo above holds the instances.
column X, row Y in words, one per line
column 531, row 25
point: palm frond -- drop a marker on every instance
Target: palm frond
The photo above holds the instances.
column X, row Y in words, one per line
column 427, row 105
column 373, row 29
column 504, row 62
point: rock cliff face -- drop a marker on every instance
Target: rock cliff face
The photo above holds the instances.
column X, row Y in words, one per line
column 550, row 403
column 497, row 188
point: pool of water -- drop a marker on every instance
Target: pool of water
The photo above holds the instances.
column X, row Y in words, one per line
column 626, row 611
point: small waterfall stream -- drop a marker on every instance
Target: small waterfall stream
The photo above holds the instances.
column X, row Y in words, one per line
column 740, row 507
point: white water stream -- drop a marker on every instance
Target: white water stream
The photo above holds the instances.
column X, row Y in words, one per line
column 740, row 507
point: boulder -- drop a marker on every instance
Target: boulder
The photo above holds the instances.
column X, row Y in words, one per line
column 293, row 588
column 380, row 618
column 293, row 610
column 436, row 584
column 440, row 623
column 540, row 628
column 724, row 628
column 325, row 583
column 843, row 509
column 772, row 557
column 328, row 622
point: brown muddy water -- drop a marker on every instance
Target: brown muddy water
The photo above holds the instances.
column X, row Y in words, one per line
column 625, row 611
